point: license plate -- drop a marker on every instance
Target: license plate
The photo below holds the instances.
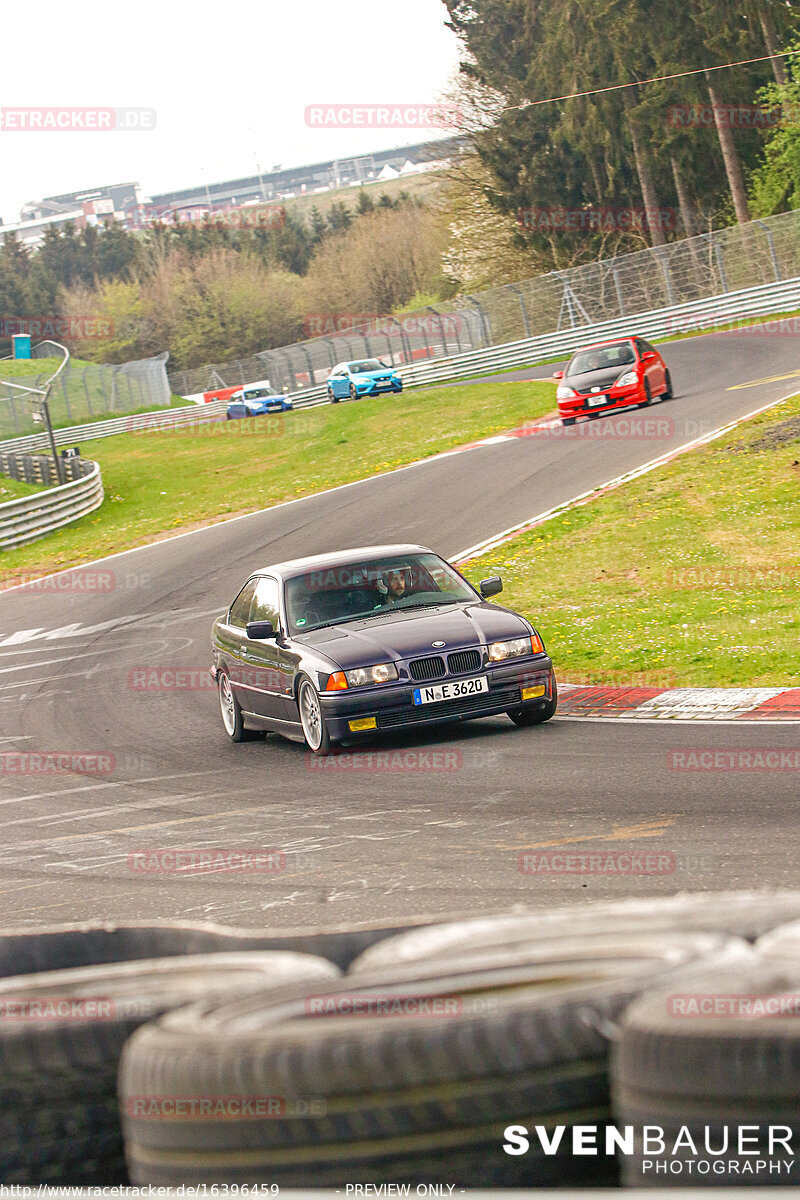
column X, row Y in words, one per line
column 450, row 691
column 596, row 401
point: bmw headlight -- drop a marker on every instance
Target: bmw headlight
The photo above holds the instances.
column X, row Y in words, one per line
column 381, row 673
column 514, row 648
column 628, row 377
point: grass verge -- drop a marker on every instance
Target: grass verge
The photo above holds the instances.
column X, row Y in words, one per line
column 689, row 576
column 161, row 482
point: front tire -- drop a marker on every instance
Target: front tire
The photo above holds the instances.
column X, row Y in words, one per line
column 565, row 421
column 333, row 399
column 525, row 717
column 648, row 395
column 353, row 392
column 669, row 393
column 315, row 731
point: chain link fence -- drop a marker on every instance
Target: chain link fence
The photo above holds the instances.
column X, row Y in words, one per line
column 82, row 393
column 697, row 268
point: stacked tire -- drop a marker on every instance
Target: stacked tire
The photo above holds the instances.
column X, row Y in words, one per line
column 409, row 1075
column 61, row 1037
column 704, row 1064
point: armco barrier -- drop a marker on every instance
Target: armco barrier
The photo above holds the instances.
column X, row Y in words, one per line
column 754, row 302
column 25, row 520
column 702, row 314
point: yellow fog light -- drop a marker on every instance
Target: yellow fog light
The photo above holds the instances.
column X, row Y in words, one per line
column 363, row 723
column 532, row 693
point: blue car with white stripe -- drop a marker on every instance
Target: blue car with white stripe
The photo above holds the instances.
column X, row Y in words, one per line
column 362, row 377
column 255, row 400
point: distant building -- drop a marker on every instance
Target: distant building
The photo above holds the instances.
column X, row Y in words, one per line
column 123, row 201
column 120, row 196
column 285, row 184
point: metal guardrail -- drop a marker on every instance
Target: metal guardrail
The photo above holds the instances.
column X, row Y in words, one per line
column 163, row 419
column 25, row 520
column 693, row 268
column 661, row 323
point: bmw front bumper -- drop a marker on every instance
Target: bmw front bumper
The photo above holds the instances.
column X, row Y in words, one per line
column 392, row 707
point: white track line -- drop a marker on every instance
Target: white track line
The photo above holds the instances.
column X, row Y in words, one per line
column 499, row 539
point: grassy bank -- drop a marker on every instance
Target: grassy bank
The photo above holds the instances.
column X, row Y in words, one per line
column 161, row 482
column 687, row 576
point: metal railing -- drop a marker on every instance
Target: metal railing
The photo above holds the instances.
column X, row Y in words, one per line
column 32, row 517
column 84, row 392
column 751, row 303
column 682, row 272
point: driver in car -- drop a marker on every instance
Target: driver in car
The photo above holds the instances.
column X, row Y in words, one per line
column 392, row 587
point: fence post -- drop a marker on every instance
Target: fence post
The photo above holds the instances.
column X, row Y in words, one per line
column 720, row 263
column 484, row 323
column 774, row 256
column 512, row 287
column 618, row 290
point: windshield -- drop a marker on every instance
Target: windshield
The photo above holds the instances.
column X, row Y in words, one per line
column 343, row 592
column 367, row 364
column 257, row 393
column 604, row 358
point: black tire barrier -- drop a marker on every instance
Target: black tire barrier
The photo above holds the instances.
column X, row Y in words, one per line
column 747, row 915
column 60, row 947
column 405, row 1076
column 61, row 1036
column 723, row 1056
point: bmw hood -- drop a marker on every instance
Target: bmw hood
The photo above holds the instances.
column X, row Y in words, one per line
column 404, row 634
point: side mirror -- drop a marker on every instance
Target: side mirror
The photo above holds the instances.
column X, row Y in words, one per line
column 260, row 631
column 490, row 587
column 558, row 374
column 650, row 354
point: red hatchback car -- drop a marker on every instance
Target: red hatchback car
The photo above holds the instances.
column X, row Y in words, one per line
column 611, row 375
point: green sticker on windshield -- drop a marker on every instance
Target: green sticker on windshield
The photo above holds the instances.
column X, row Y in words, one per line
column 300, row 621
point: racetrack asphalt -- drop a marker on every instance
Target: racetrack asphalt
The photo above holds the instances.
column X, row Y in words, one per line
column 435, row 826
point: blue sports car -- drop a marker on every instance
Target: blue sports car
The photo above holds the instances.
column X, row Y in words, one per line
column 365, row 377
column 255, row 400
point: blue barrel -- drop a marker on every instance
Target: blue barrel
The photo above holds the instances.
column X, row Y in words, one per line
column 21, row 345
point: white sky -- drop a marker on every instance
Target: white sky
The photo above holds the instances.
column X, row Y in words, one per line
column 230, row 82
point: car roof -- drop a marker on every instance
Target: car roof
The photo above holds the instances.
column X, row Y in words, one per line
column 610, row 342
column 318, row 562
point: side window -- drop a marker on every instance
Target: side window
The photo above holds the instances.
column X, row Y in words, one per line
column 240, row 609
column 648, row 349
column 266, row 603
